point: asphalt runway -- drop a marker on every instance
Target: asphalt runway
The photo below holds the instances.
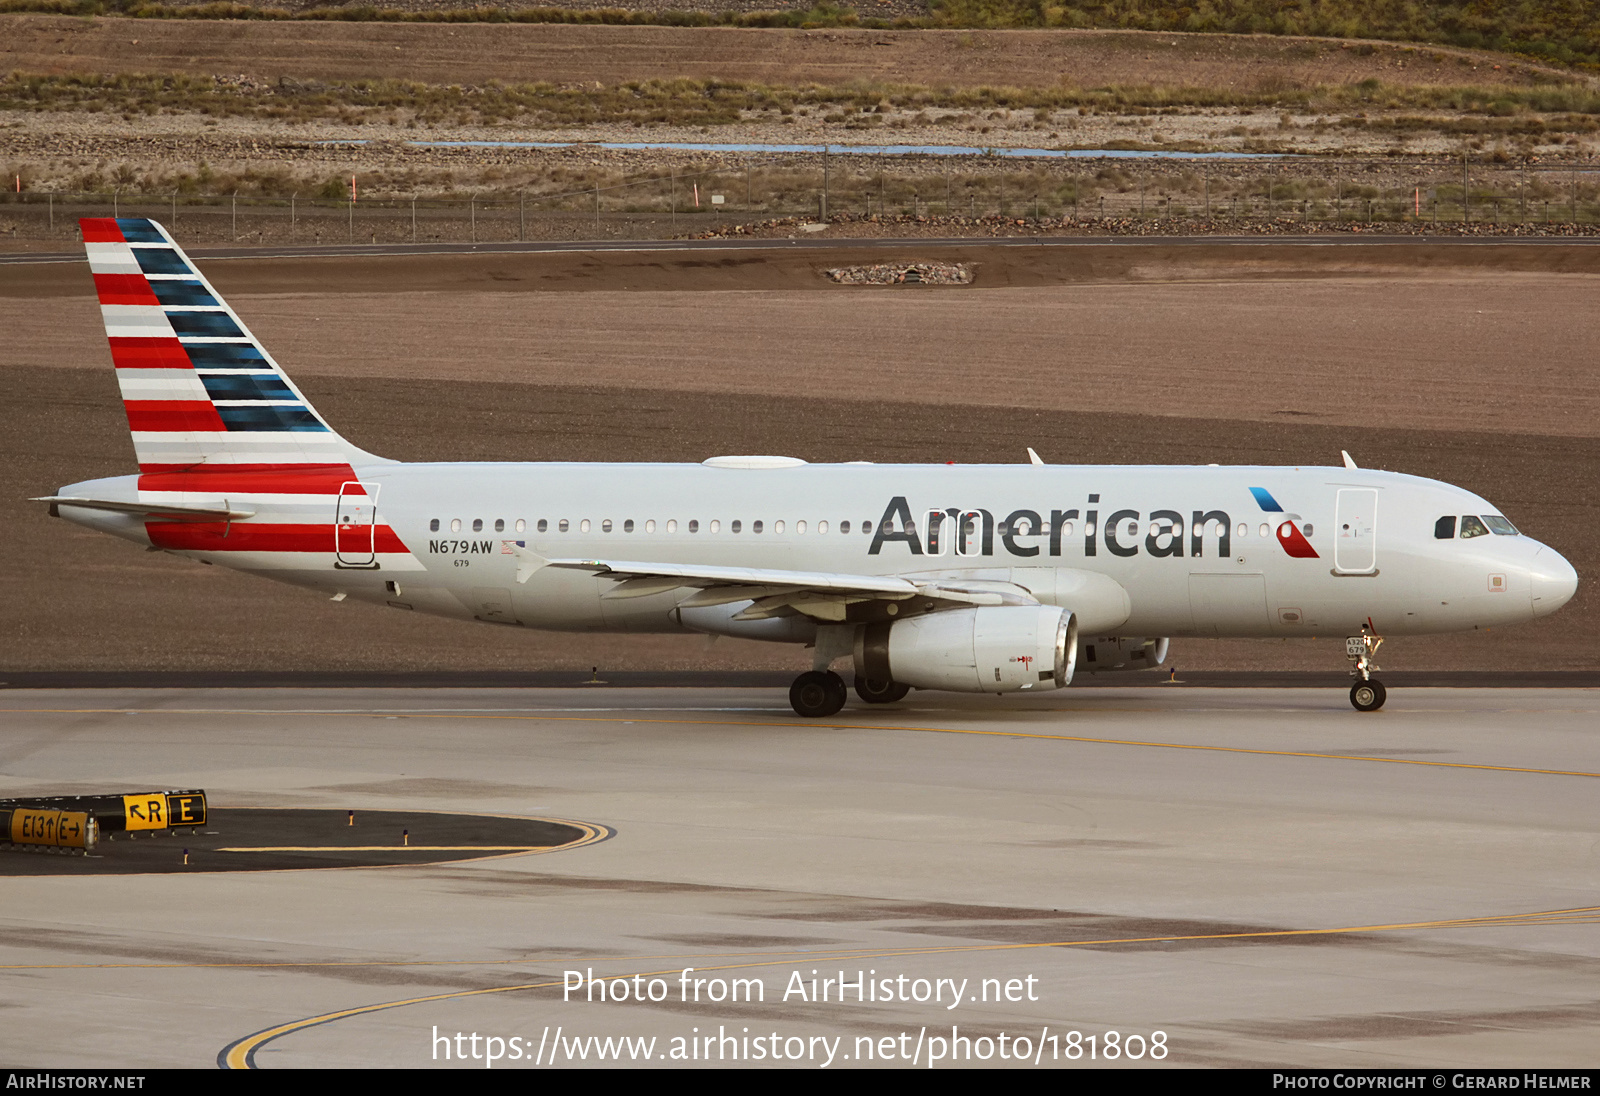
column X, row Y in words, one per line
column 1262, row 876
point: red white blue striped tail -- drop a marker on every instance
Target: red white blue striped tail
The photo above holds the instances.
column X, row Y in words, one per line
column 202, row 394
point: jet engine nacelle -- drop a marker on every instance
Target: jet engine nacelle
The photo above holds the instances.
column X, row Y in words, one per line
column 998, row 649
column 1097, row 654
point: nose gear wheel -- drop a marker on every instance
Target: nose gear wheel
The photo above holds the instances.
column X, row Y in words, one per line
column 1367, row 696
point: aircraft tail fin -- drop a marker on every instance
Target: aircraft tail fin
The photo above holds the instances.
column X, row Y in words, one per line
column 201, row 392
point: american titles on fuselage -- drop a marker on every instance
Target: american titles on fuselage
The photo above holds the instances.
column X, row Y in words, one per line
column 1025, row 533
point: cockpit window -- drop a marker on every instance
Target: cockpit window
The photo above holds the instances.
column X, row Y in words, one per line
column 1445, row 527
column 1499, row 525
column 1472, row 527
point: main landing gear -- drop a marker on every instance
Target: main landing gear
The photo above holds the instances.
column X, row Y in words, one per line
column 817, row 694
column 880, row 692
column 820, row 693
column 1368, row 693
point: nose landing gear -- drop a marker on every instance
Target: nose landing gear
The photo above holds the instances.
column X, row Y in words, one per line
column 1367, row 696
column 1368, row 693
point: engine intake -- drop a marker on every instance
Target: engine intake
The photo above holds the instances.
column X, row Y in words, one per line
column 992, row 649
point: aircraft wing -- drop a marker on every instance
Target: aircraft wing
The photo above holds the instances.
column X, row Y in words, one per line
column 821, row 595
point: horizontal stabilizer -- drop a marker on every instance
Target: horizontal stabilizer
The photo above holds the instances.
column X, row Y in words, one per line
column 158, row 511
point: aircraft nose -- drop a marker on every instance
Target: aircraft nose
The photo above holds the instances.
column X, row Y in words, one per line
column 1553, row 582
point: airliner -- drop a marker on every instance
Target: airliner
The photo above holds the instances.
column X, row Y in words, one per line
column 973, row 578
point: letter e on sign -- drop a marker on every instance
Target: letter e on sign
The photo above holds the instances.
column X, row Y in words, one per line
column 186, row 810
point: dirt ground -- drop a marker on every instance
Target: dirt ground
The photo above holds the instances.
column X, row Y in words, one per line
column 1434, row 337
column 1448, row 363
column 480, row 52
column 275, row 130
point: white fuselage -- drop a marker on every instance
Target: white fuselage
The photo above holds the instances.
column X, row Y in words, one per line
column 1196, row 551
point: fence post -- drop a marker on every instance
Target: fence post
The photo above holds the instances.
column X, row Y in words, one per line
column 292, row 197
column 52, row 212
column 352, row 217
column 1466, row 197
column 472, row 214
column 674, row 185
column 413, row 218
column 825, row 166
column 236, row 215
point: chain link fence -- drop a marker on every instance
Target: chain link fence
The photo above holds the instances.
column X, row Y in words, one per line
column 1108, row 195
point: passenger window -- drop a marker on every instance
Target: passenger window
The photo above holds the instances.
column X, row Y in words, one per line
column 844, row 527
column 735, row 525
column 433, row 526
column 716, row 525
column 605, row 525
column 455, row 525
column 522, row 524
column 543, row 525
column 650, row 525
column 694, row 525
column 477, row 525
column 799, row 527
column 564, row 526
column 583, row 526
column 822, row 527
column 866, row 527
column 1499, row 526
column 1306, row 529
column 672, row 525
column 627, row 526
column 1472, row 527
column 777, row 527
column 499, row 525
column 755, row 527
